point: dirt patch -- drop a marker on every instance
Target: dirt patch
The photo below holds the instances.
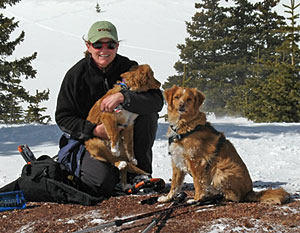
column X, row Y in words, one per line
column 228, row 217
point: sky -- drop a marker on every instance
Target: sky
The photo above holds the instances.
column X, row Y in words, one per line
column 149, row 32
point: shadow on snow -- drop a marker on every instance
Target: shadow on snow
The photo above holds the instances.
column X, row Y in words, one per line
column 36, row 135
column 33, row 135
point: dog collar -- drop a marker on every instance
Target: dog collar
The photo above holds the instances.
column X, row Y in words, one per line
column 123, row 86
column 178, row 137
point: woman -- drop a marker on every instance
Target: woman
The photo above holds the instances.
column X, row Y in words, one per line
column 86, row 82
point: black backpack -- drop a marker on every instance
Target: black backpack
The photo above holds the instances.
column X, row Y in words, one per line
column 47, row 180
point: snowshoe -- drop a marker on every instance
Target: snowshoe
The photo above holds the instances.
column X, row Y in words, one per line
column 146, row 185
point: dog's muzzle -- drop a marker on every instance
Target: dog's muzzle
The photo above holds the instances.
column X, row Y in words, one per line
column 181, row 108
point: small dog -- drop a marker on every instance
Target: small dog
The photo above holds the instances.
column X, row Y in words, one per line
column 200, row 150
column 119, row 149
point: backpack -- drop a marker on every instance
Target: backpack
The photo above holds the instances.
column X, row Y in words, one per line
column 70, row 154
column 46, row 180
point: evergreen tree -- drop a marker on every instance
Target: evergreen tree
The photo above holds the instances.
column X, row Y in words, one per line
column 98, row 9
column 12, row 93
column 273, row 94
column 203, row 52
column 222, row 47
column 33, row 113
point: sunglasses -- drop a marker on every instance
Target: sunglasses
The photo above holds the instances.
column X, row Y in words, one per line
column 109, row 44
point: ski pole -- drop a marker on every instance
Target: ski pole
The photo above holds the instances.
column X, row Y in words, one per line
column 119, row 222
column 178, row 199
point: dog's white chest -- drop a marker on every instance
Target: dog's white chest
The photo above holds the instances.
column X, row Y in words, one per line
column 126, row 118
column 177, row 156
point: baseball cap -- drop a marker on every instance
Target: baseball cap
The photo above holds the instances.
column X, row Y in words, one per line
column 102, row 29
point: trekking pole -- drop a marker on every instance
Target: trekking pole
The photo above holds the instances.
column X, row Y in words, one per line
column 119, row 222
column 178, row 199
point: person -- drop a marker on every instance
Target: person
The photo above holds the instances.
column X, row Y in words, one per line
column 87, row 81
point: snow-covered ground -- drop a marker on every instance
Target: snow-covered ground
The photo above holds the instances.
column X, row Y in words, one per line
column 270, row 151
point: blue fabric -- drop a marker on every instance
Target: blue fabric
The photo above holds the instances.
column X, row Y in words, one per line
column 71, row 153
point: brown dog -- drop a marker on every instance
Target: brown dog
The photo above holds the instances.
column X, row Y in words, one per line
column 200, row 150
column 118, row 150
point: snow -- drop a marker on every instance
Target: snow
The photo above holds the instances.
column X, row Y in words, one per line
column 270, row 150
column 150, row 31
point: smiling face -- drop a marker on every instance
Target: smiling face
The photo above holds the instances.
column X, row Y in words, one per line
column 103, row 56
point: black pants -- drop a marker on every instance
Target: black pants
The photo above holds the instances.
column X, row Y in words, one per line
column 145, row 128
column 99, row 178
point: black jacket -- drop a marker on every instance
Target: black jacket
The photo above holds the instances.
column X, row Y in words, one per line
column 85, row 83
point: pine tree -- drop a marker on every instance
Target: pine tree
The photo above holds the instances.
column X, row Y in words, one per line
column 222, row 47
column 98, row 9
column 273, row 94
column 203, row 52
column 33, row 113
column 13, row 95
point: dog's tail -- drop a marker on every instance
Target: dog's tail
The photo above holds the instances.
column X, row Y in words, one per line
column 270, row 196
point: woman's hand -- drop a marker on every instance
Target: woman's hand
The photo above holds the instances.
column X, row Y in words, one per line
column 110, row 102
column 99, row 131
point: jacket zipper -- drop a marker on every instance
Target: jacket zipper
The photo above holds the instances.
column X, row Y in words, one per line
column 105, row 80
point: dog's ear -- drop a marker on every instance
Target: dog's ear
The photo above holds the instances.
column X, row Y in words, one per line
column 168, row 93
column 130, row 72
column 130, row 79
column 152, row 82
column 199, row 98
column 124, row 75
column 142, row 75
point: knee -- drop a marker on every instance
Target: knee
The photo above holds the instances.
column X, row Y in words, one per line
column 103, row 186
column 98, row 178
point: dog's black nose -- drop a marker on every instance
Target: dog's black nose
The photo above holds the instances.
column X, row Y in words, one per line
column 181, row 108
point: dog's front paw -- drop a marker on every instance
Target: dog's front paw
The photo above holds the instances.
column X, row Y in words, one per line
column 122, row 165
column 164, row 199
column 190, row 201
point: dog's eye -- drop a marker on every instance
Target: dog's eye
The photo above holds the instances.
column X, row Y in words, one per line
column 189, row 99
column 176, row 97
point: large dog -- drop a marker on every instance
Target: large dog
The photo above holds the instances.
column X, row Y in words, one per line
column 200, row 150
column 119, row 150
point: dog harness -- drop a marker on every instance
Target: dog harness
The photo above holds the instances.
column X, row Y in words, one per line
column 178, row 137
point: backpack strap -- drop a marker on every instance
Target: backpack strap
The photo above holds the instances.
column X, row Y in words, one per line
column 70, row 153
column 71, row 194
